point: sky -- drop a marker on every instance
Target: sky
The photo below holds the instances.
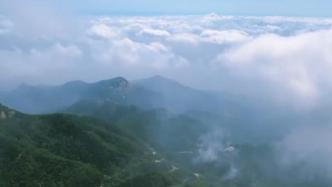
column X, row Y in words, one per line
column 307, row 8
column 310, row 8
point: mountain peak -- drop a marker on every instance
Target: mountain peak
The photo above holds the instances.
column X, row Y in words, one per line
column 118, row 82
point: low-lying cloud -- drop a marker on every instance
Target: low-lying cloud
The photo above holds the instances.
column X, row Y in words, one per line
column 308, row 149
column 292, row 67
column 285, row 60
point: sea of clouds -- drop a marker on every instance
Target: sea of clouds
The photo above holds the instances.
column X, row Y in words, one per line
column 259, row 56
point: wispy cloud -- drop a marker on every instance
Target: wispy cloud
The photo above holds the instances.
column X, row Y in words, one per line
column 280, row 54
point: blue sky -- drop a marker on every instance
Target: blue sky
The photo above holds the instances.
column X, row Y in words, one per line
column 300, row 8
column 314, row 8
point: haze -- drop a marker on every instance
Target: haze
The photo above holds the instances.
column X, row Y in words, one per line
column 254, row 72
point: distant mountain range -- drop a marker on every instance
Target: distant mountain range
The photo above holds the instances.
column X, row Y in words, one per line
column 154, row 92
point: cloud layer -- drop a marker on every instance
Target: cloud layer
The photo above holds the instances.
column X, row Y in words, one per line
column 281, row 58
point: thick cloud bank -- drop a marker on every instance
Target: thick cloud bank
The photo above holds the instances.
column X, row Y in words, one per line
column 286, row 60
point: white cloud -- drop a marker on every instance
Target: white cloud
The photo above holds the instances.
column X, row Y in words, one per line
column 224, row 36
column 104, row 31
column 39, row 65
column 155, row 32
column 185, row 38
column 297, row 66
column 134, row 54
column 211, row 147
column 285, row 59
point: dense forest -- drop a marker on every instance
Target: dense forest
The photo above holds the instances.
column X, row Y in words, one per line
column 105, row 135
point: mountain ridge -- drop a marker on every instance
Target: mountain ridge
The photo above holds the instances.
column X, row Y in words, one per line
column 76, row 150
column 153, row 92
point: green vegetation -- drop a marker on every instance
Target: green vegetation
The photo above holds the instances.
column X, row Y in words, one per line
column 114, row 134
column 65, row 150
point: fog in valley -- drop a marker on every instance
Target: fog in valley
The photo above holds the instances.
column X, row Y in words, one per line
column 163, row 100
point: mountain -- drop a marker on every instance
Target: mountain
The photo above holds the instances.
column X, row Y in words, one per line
column 177, row 97
column 161, row 129
column 154, row 92
column 66, row 150
column 44, row 99
column 114, row 145
column 198, row 149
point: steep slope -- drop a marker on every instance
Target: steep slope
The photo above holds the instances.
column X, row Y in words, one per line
column 160, row 128
column 208, row 155
column 65, row 150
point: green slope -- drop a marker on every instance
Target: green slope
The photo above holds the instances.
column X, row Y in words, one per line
column 65, row 150
column 178, row 138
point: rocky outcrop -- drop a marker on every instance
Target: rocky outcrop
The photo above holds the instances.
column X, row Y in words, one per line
column 3, row 115
column 6, row 113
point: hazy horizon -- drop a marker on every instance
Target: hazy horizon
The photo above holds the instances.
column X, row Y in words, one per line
column 277, row 58
column 259, row 114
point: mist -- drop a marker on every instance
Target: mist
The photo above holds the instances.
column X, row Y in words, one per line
column 220, row 98
column 280, row 54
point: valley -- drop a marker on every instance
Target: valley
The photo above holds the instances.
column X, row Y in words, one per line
column 108, row 134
